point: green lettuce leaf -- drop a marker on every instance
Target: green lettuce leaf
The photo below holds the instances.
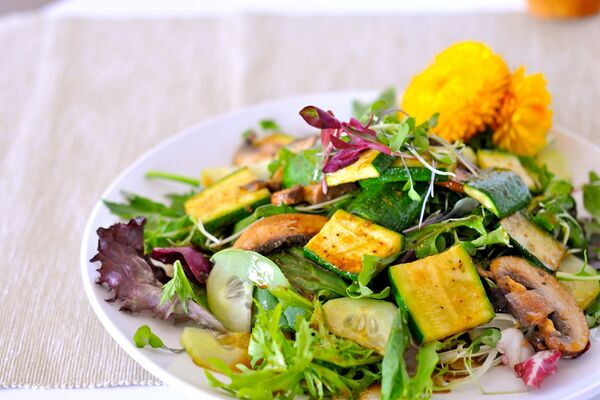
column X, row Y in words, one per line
column 284, row 368
column 395, row 380
column 433, row 239
column 371, row 267
column 167, row 224
column 591, row 195
column 307, row 277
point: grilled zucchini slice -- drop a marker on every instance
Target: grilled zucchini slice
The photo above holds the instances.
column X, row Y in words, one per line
column 537, row 245
column 370, row 164
column 397, row 172
column 501, row 191
column 500, row 159
column 345, row 238
column 227, row 201
column 388, row 205
column 209, row 176
column 442, row 293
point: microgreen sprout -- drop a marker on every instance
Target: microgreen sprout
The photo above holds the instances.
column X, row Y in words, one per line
column 145, row 337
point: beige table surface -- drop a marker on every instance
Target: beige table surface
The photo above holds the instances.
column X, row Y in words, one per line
column 81, row 99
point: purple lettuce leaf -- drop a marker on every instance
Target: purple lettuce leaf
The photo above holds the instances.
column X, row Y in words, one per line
column 342, row 158
column 196, row 265
column 125, row 271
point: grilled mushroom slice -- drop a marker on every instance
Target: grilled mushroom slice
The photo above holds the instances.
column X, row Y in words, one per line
column 536, row 299
column 276, row 231
column 255, row 150
column 290, row 197
column 311, row 194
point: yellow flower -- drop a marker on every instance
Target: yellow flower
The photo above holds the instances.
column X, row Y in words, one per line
column 524, row 118
column 465, row 84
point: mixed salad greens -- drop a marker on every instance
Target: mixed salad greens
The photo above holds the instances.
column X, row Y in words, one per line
column 370, row 259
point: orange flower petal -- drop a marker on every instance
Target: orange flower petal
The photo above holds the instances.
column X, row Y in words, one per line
column 466, row 84
column 524, row 118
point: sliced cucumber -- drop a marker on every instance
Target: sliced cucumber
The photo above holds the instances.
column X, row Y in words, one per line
column 500, row 159
column 556, row 162
column 236, row 273
column 501, row 191
column 203, row 345
column 370, row 164
column 367, row 322
column 229, row 293
column 537, row 245
column 584, row 292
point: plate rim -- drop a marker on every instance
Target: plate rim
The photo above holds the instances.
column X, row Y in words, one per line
column 124, row 342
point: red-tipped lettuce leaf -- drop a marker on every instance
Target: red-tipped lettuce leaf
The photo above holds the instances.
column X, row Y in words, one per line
column 196, row 265
column 538, row 367
column 128, row 274
column 354, row 126
column 340, row 144
column 371, row 145
column 318, row 118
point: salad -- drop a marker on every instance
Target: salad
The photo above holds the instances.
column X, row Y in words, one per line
column 372, row 258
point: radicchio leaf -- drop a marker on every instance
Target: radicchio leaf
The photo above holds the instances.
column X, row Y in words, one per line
column 127, row 273
column 318, row 118
column 195, row 264
column 514, row 347
column 538, row 367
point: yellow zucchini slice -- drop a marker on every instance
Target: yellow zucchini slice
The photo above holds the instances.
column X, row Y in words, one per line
column 370, row 164
column 345, row 238
column 500, row 159
column 209, row 176
column 227, row 201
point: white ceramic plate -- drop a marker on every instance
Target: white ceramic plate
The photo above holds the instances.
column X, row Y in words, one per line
column 212, row 143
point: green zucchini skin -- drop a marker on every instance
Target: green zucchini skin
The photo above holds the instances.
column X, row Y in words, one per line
column 400, row 174
column 329, row 266
column 235, row 215
column 501, row 191
column 446, row 281
column 382, row 162
column 387, row 205
column 413, row 327
column 534, row 243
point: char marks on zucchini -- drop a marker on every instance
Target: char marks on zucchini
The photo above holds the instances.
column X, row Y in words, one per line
column 345, row 238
